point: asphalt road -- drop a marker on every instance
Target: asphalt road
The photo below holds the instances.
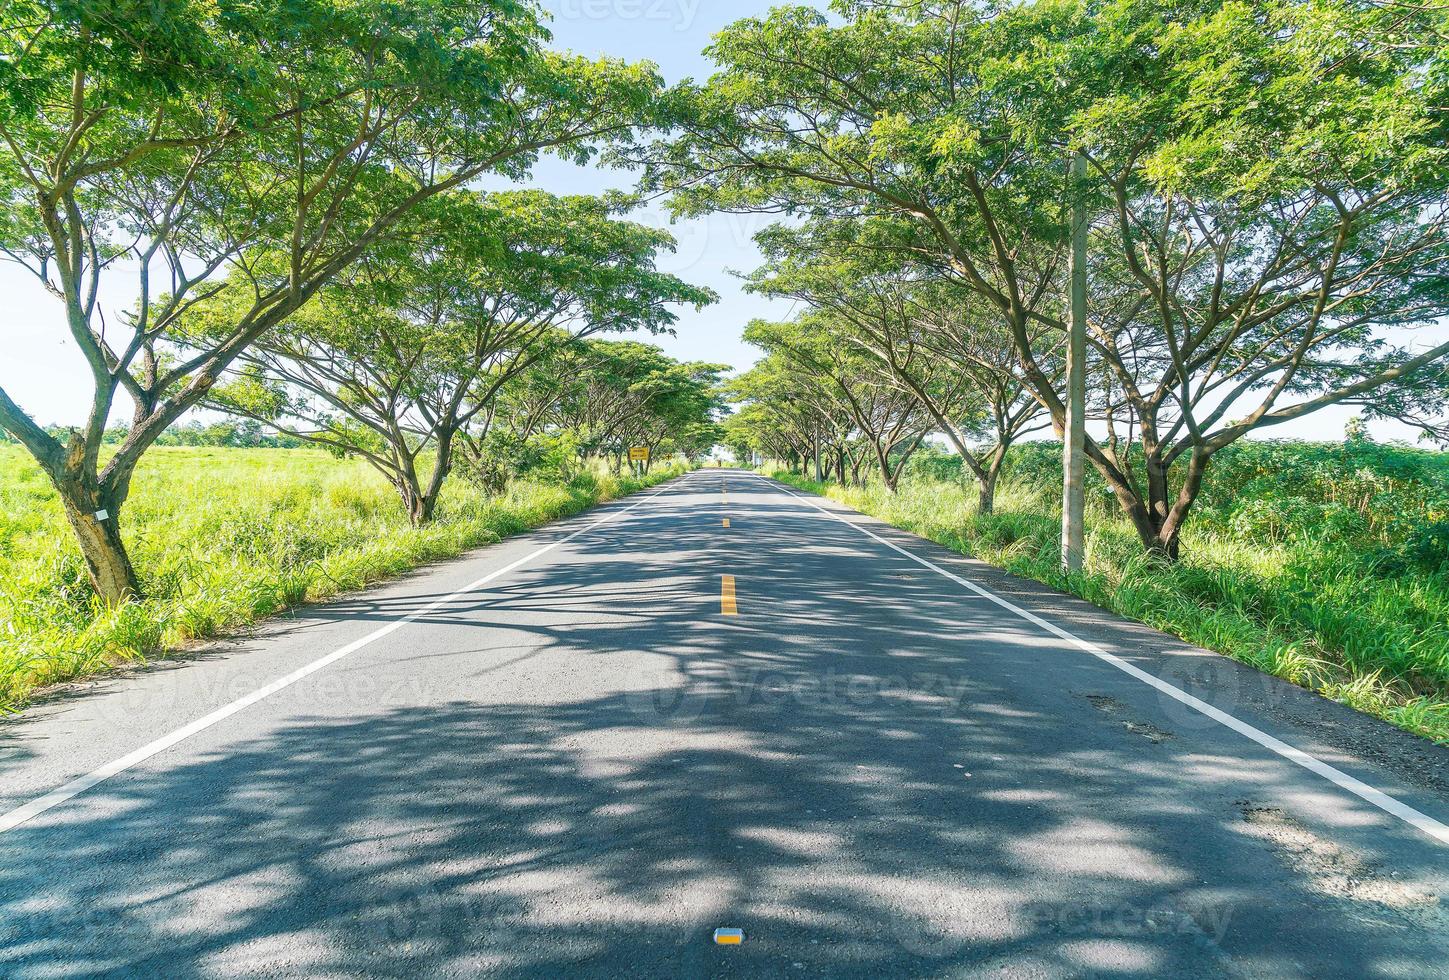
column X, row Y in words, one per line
column 582, row 762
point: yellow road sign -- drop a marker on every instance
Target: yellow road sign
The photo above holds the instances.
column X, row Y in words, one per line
column 638, row 454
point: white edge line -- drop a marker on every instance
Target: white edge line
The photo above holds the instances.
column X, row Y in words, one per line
column 1341, row 779
column 80, row 784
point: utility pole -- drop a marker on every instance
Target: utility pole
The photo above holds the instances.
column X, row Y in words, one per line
column 1074, row 439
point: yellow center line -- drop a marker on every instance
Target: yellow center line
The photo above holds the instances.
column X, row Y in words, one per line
column 727, row 605
column 725, row 522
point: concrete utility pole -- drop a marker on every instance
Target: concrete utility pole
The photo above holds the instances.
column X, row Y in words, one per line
column 1074, row 440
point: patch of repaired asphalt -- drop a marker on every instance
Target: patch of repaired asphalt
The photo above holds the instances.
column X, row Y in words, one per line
column 1338, row 873
column 1112, row 706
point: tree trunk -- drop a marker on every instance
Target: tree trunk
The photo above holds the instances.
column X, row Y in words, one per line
column 420, row 506
column 1158, row 520
column 883, row 460
column 417, row 502
column 420, row 503
column 985, row 475
column 988, row 477
column 1167, row 546
column 986, row 497
column 107, row 563
column 1170, row 530
column 424, row 510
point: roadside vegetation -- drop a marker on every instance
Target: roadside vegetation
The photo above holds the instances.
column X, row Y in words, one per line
column 290, row 180
column 226, row 537
column 1264, row 192
column 1324, row 564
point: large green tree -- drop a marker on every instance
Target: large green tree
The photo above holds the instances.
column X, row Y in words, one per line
column 1267, row 183
column 396, row 358
column 939, row 341
column 158, row 147
column 887, row 420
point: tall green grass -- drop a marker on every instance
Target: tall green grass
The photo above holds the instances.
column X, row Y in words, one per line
column 224, row 537
column 1320, row 564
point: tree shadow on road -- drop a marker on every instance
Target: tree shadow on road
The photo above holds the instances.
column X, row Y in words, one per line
column 860, row 796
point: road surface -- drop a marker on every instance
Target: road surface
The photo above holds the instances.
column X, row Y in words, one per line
column 722, row 705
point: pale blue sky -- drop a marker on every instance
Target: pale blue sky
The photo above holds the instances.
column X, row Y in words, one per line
column 673, row 34
column 47, row 377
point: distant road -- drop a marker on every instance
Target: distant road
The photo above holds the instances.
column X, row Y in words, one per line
column 723, row 705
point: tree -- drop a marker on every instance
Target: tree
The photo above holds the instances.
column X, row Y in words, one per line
column 616, row 394
column 784, row 414
column 937, row 340
column 1255, row 263
column 889, row 420
column 277, row 141
column 1268, row 179
column 396, row 358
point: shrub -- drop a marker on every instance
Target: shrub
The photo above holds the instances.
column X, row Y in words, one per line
column 930, row 462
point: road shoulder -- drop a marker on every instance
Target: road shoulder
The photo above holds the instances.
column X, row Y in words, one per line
column 1337, row 734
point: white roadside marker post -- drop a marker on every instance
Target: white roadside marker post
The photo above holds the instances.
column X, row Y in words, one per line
column 1075, row 438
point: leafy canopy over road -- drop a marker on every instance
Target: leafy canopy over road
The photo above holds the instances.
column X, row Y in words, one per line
column 1266, row 180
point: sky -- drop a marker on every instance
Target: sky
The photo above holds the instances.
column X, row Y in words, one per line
column 673, row 35
column 46, row 376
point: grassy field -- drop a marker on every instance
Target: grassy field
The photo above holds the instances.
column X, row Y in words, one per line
column 1327, row 565
column 222, row 538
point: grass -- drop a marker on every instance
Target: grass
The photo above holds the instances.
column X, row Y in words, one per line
column 222, row 538
column 1322, row 567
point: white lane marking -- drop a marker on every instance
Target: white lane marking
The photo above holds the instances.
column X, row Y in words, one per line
column 80, row 784
column 1343, row 780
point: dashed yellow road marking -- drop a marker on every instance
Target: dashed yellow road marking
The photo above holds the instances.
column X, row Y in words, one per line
column 727, row 605
column 725, row 522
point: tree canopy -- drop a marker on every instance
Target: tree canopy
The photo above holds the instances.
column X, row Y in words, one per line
column 288, row 188
column 1266, row 184
column 397, row 357
column 180, row 143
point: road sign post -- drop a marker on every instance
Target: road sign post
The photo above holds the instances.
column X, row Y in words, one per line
column 639, row 455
